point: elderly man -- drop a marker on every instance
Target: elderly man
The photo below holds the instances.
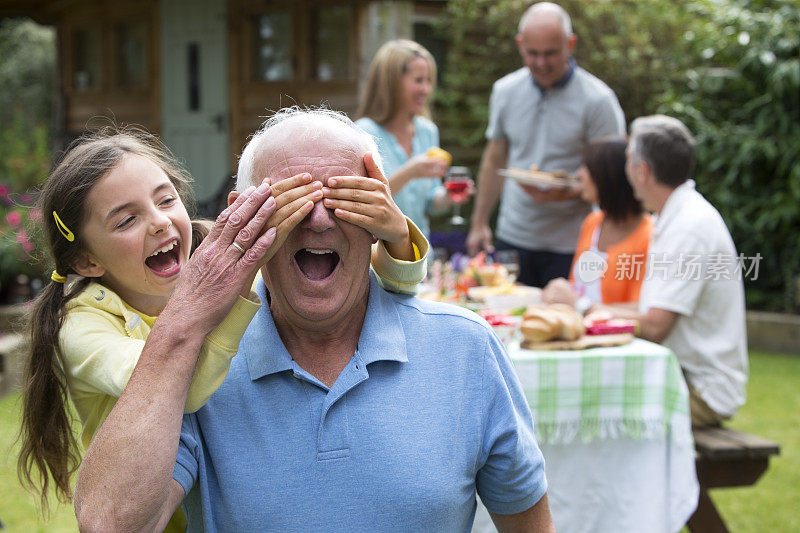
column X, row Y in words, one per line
column 692, row 297
column 543, row 114
column 346, row 409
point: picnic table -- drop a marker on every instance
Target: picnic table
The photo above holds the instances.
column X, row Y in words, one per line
column 614, row 427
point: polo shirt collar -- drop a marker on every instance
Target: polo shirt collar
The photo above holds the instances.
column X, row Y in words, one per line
column 564, row 79
column 673, row 205
column 382, row 336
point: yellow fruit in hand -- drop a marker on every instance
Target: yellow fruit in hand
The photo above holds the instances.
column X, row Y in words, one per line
column 435, row 151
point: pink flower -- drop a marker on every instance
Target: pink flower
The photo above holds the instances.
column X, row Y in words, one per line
column 28, row 246
column 22, row 236
column 35, row 215
column 25, row 198
column 3, row 191
column 13, row 219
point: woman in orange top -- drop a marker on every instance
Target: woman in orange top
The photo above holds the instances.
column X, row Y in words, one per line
column 609, row 262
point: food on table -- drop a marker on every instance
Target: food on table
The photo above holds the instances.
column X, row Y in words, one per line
column 539, row 326
column 492, row 275
column 499, row 319
column 556, row 321
column 482, row 272
column 610, row 327
column 505, row 326
column 435, row 151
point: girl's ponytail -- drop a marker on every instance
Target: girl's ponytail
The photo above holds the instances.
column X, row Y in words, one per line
column 48, row 443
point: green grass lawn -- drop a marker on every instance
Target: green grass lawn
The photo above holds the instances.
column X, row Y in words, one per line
column 771, row 411
column 773, row 504
column 18, row 508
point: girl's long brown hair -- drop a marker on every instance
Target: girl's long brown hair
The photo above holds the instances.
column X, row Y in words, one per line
column 49, row 450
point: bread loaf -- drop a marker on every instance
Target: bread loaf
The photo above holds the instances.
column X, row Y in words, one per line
column 558, row 321
column 539, row 326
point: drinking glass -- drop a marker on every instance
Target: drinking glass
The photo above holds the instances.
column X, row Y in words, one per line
column 457, row 185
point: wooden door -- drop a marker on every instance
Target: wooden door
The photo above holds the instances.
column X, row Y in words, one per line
column 195, row 105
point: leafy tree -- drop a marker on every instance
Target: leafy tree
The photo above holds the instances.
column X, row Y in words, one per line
column 741, row 98
column 27, row 76
column 27, row 70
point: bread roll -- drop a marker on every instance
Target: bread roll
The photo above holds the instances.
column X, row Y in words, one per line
column 557, row 321
column 571, row 326
column 539, row 330
column 540, row 325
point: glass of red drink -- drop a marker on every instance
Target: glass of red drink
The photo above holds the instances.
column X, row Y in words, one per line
column 457, row 184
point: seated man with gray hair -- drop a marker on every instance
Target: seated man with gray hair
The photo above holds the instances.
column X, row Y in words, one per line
column 347, row 408
column 692, row 297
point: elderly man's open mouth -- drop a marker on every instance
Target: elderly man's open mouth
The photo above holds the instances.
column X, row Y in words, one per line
column 316, row 264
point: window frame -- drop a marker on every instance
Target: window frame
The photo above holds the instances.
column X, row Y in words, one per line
column 301, row 52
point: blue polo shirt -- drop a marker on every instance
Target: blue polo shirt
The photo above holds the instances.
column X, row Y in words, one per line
column 427, row 411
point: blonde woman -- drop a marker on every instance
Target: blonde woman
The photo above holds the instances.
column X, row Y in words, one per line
column 394, row 109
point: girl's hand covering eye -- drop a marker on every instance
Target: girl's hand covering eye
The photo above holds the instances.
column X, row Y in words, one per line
column 366, row 201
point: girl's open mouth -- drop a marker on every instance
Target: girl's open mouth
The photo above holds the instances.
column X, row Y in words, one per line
column 166, row 261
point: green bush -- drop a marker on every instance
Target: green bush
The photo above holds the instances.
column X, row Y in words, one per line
column 24, row 153
column 741, row 98
column 27, row 70
column 27, row 75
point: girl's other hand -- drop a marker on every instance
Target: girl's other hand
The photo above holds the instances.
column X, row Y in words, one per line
column 367, row 202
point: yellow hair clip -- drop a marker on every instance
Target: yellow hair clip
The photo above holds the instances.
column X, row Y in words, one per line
column 63, row 229
column 58, row 278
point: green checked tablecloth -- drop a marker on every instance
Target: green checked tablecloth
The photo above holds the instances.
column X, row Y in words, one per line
column 635, row 391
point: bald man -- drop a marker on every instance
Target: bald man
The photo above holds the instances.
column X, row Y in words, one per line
column 346, row 408
column 543, row 114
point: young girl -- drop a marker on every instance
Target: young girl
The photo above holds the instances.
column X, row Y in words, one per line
column 120, row 237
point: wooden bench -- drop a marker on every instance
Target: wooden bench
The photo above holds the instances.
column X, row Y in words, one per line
column 725, row 458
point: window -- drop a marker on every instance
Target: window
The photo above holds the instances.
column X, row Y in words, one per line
column 131, row 45
column 303, row 41
column 88, row 59
column 273, row 38
column 331, row 31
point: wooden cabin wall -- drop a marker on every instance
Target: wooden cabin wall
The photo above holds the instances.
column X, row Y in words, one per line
column 110, row 99
column 253, row 100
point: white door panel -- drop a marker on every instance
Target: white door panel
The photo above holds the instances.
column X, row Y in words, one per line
column 194, row 83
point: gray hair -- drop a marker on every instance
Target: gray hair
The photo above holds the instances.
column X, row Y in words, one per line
column 666, row 145
column 307, row 124
column 546, row 7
